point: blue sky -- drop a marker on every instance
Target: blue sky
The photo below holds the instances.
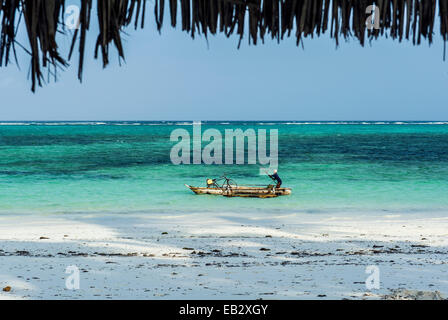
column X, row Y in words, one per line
column 172, row 77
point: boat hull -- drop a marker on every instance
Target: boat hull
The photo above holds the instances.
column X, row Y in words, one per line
column 242, row 191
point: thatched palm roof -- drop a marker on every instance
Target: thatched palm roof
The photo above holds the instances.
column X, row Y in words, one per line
column 255, row 19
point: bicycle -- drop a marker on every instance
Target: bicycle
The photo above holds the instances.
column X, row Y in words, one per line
column 222, row 182
column 228, row 183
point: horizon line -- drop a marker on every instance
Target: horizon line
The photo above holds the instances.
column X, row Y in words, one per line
column 189, row 120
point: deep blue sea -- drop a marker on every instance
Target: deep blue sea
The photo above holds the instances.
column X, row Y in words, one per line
column 125, row 167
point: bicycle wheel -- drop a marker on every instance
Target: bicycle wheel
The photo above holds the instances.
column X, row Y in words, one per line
column 232, row 183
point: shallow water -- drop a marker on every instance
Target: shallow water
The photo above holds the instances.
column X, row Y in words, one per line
column 125, row 167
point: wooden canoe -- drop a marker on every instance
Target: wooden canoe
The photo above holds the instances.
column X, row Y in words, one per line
column 243, row 191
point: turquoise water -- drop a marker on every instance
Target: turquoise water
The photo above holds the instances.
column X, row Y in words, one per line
column 124, row 167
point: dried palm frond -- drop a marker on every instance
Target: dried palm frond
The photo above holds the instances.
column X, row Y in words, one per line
column 398, row 19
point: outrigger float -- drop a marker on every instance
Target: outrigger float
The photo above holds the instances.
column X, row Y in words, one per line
column 230, row 189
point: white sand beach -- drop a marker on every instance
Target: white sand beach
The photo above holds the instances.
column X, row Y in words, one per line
column 223, row 256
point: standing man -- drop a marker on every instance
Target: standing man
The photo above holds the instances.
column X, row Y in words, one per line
column 276, row 178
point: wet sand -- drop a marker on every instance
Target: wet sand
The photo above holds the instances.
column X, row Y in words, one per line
column 224, row 256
